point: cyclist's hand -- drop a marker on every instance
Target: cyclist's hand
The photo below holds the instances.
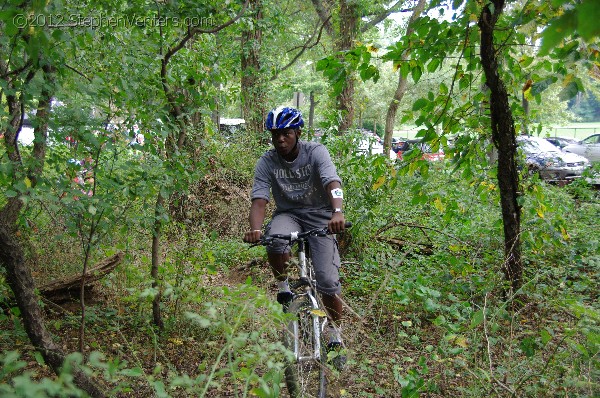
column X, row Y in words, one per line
column 252, row 236
column 337, row 223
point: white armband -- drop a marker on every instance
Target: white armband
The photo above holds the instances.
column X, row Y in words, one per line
column 337, row 193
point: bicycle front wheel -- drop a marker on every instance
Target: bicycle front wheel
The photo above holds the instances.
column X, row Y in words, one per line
column 305, row 374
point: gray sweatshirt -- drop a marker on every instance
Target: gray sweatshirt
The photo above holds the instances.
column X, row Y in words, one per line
column 299, row 185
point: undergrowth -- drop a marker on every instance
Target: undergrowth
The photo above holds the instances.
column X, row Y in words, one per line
column 422, row 276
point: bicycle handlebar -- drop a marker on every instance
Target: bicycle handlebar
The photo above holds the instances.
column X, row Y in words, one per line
column 294, row 236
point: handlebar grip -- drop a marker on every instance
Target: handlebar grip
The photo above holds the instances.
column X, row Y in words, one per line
column 348, row 224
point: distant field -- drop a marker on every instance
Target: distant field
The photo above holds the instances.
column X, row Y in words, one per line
column 575, row 130
column 571, row 130
column 406, row 132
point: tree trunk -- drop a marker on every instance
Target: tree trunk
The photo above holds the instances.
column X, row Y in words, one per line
column 21, row 282
column 173, row 144
column 349, row 20
column 390, row 118
column 503, row 136
column 252, row 85
column 311, row 111
column 158, row 211
column 18, row 275
column 344, row 32
column 63, row 289
column 525, row 104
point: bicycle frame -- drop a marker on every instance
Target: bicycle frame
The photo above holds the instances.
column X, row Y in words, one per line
column 307, row 275
column 306, row 374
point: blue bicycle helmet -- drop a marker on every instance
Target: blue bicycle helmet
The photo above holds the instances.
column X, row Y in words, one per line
column 284, row 118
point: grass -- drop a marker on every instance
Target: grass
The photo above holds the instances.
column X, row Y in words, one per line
column 575, row 130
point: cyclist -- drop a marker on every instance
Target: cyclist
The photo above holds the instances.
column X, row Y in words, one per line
column 307, row 192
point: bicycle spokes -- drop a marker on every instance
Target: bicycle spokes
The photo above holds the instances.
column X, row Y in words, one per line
column 305, row 376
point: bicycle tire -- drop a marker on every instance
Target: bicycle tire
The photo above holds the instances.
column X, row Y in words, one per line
column 304, row 379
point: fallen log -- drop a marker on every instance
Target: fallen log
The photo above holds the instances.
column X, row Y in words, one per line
column 68, row 287
column 423, row 248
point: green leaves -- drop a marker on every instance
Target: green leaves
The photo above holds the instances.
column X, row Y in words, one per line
column 419, row 104
column 334, row 70
column 337, row 68
column 477, row 319
column 588, row 15
column 434, row 65
column 539, row 87
column 529, row 346
column 569, row 91
column 579, row 19
column 416, row 72
column 368, row 72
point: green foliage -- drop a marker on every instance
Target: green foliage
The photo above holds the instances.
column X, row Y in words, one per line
column 337, row 69
column 426, row 266
column 433, row 265
column 423, row 262
column 15, row 381
column 244, row 350
column 575, row 20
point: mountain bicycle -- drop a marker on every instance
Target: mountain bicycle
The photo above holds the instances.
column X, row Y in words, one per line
column 305, row 374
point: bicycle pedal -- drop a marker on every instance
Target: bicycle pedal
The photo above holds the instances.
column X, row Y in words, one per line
column 285, row 298
column 336, row 355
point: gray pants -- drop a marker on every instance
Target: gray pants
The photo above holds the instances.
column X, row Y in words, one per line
column 323, row 249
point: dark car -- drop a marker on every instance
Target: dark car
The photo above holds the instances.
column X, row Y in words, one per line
column 549, row 161
column 425, row 148
column 399, row 145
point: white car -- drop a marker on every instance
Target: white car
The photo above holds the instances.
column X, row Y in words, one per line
column 370, row 144
column 26, row 135
column 588, row 148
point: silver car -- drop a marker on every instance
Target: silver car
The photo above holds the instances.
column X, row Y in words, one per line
column 588, row 148
column 561, row 142
column 550, row 162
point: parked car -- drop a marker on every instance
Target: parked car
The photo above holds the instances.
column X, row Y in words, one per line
column 561, row 142
column 550, row 162
column 370, row 143
column 588, row 148
column 315, row 135
column 425, row 148
column 232, row 128
column 399, row 145
column 26, row 134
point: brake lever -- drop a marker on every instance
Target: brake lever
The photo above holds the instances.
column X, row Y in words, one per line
column 261, row 242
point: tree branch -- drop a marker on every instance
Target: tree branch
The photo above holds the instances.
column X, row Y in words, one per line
column 324, row 14
column 380, row 17
column 196, row 30
column 303, row 48
column 177, row 111
column 15, row 71
column 78, row 72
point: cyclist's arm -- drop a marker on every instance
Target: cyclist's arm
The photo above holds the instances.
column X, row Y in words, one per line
column 336, row 224
column 256, row 218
